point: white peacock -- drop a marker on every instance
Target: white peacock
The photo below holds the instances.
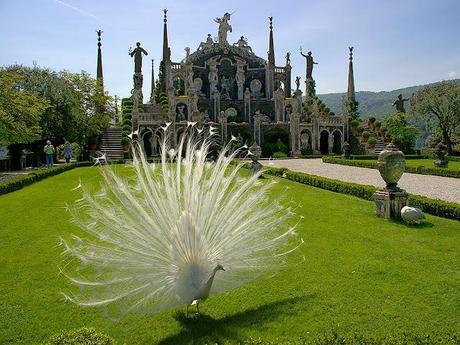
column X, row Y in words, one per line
column 158, row 240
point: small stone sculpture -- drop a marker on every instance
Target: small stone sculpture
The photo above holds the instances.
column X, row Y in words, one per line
column 310, row 63
column 412, row 215
column 255, row 151
column 224, row 28
column 137, row 54
column 346, row 150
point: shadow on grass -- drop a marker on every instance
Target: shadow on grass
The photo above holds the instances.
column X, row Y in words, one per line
column 423, row 225
column 206, row 329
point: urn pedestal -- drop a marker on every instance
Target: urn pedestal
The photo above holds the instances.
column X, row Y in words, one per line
column 390, row 200
column 388, row 204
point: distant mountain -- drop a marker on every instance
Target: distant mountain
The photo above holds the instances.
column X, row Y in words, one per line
column 377, row 104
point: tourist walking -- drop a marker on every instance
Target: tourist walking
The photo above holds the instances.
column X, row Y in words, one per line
column 67, row 152
column 49, row 153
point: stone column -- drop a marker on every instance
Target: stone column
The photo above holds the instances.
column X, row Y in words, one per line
column 257, row 128
column 294, row 129
column 247, row 105
column 330, row 142
column 269, row 81
column 223, row 127
column 279, row 105
column 216, row 103
column 287, row 87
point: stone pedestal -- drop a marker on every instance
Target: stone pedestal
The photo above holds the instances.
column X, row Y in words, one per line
column 388, row 203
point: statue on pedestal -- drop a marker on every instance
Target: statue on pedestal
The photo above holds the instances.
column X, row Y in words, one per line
column 297, row 82
column 288, row 58
column 310, row 63
column 212, row 75
column 137, row 53
column 399, row 104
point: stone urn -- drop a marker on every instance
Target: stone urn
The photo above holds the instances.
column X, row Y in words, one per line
column 441, row 161
column 391, row 166
column 346, row 150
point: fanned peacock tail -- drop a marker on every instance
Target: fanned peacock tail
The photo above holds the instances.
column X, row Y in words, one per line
column 152, row 238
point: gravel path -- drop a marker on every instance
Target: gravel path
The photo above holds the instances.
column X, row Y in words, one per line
column 436, row 187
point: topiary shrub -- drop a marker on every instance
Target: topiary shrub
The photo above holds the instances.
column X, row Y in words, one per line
column 354, row 124
column 372, row 141
column 371, row 119
column 366, row 135
column 82, row 336
column 360, row 129
column 377, row 124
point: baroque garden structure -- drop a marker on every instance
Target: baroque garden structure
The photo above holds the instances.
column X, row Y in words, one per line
column 241, row 94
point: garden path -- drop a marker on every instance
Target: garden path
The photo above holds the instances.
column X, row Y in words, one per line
column 436, row 187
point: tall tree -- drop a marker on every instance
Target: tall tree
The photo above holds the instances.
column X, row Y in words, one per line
column 401, row 132
column 439, row 106
column 19, row 111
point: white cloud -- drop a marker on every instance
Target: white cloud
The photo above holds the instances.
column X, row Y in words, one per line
column 453, row 75
column 76, row 9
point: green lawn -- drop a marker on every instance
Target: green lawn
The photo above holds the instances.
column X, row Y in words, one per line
column 427, row 163
column 362, row 274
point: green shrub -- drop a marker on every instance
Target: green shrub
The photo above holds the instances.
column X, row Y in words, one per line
column 354, row 123
column 82, row 336
column 16, row 183
column 433, row 206
column 279, row 154
column 377, row 124
column 366, row 135
column 360, row 129
column 372, row 141
column 125, row 140
column 372, row 119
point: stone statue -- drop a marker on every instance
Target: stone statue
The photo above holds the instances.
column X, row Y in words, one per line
column 193, row 101
column 209, row 42
column 190, row 85
column 224, row 27
column 399, row 104
column 297, row 82
column 187, row 52
column 310, row 63
column 137, row 53
column 288, row 58
column 225, row 87
column 240, row 77
column 212, row 75
column 243, row 44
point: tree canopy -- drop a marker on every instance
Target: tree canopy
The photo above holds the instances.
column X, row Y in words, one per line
column 439, row 106
column 20, row 111
column 400, row 131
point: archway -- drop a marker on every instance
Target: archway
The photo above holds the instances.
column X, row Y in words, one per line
column 337, row 146
column 324, row 142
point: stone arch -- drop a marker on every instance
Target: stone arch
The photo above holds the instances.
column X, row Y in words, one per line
column 151, row 141
column 324, row 142
column 337, row 143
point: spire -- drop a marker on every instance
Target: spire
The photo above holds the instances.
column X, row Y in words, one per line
column 351, row 80
column 99, row 75
column 271, row 48
column 152, row 91
column 166, row 54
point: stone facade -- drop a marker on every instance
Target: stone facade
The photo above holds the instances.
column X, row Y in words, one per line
column 223, row 79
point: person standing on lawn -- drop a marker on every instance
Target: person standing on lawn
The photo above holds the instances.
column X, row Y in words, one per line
column 49, row 153
column 67, row 152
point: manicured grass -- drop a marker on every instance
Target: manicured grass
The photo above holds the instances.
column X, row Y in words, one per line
column 361, row 273
column 427, row 163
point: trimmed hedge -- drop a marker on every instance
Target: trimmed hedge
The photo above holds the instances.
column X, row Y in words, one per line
column 435, row 207
column 358, row 157
column 374, row 165
column 19, row 182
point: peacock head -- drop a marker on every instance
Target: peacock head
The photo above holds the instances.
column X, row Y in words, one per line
column 219, row 267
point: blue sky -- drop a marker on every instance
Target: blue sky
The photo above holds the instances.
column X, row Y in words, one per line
column 397, row 43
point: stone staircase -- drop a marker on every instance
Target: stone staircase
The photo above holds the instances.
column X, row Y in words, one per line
column 379, row 147
column 111, row 143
